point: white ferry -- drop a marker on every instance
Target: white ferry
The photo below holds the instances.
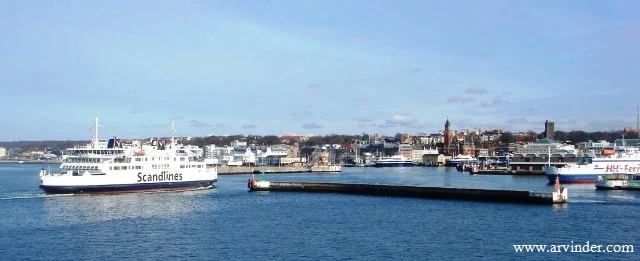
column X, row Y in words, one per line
column 461, row 159
column 394, row 161
column 618, row 160
column 619, row 181
column 119, row 166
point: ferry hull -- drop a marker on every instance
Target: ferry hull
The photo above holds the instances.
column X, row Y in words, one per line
column 572, row 179
column 127, row 188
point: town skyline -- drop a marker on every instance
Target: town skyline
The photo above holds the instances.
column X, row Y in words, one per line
column 315, row 67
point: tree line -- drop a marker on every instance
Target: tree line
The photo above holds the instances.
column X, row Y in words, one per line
column 571, row 137
column 575, row 137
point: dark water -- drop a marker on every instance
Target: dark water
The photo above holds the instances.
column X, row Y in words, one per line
column 228, row 222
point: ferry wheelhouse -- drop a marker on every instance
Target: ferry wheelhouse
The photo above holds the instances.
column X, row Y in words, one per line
column 130, row 166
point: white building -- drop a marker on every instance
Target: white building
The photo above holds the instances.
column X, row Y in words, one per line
column 593, row 147
column 237, row 144
column 3, row 152
column 417, row 154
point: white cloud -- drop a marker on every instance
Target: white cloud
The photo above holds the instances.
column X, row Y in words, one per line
column 401, row 119
column 459, row 99
column 476, row 90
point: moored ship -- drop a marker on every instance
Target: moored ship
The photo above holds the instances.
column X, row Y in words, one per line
column 461, row 159
column 116, row 166
column 393, row 161
column 619, row 181
column 618, row 160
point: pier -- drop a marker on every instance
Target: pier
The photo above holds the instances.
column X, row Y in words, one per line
column 560, row 195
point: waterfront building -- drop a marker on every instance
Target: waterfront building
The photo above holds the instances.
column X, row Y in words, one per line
column 542, row 146
column 292, row 161
column 3, row 152
column 418, row 155
column 535, row 155
column 592, row 147
column 274, row 156
column 405, row 150
column 435, row 159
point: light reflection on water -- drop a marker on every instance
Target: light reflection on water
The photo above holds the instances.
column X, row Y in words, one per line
column 76, row 209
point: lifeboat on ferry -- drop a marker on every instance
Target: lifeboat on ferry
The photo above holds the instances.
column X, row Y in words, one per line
column 139, row 153
column 608, row 152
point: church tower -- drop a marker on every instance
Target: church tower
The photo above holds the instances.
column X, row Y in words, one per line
column 447, row 137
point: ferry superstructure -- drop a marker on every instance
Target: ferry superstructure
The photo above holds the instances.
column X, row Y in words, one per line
column 617, row 160
column 461, row 159
column 618, row 181
column 393, row 161
column 131, row 166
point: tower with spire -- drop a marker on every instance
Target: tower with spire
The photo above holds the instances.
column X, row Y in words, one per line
column 447, row 137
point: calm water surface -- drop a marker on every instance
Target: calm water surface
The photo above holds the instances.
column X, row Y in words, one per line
column 228, row 222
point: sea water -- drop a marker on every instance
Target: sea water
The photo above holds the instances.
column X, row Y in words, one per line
column 228, row 222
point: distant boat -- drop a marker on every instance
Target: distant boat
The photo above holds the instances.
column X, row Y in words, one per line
column 461, row 159
column 618, row 181
column 393, row 161
column 20, row 161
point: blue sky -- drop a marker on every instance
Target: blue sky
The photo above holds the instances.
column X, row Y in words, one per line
column 315, row 67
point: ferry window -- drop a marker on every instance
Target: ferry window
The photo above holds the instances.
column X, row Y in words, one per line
column 199, row 166
column 138, row 159
column 182, row 166
column 182, row 159
column 110, row 168
column 116, row 168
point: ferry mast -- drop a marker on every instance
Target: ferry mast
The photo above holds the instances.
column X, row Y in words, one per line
column 95, row 137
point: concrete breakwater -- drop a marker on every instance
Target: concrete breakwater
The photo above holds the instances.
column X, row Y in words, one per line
column 560, row 195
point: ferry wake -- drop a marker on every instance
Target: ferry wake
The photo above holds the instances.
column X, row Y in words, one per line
column 116, row 166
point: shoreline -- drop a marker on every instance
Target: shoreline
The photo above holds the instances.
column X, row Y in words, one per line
column 30, row 161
